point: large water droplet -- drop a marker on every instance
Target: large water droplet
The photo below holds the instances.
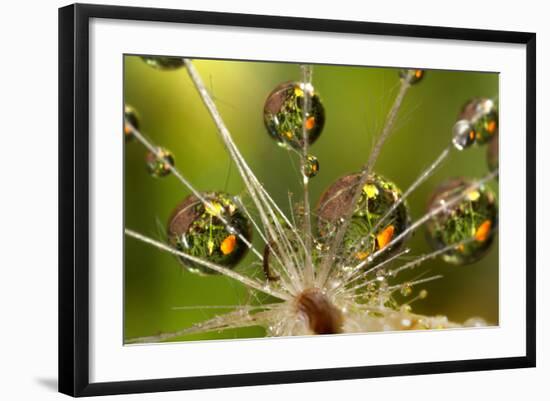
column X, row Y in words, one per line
column 284, row 114
column 377, row 197
column 469, row 224
column 206, row 235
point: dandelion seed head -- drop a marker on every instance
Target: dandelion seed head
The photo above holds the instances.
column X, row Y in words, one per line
column 341, row 274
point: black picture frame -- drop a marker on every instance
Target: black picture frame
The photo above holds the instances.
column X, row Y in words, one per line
column 74, row 198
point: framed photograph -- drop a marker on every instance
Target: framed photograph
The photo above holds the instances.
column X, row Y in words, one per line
column 250, row 199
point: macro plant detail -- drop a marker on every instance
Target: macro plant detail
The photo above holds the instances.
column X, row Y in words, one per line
column 342, row 266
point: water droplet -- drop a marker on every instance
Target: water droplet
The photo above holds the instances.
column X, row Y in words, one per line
column 405, row 308
column 284, row 116
column 311, row 166
column 158, row 165
column 377, row 197
column 163, row 63
column 206, row 235
column 412, row 76
column 380, row 275
column 464, row 134
column 469, row 223
column 406, row 289
column 482, row 114
column 131, row 119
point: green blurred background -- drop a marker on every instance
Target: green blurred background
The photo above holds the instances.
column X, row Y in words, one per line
column 356, row 101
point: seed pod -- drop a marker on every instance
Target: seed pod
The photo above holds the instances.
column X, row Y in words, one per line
column 470, row 223
column 164, row 63
column 198, row 230
column 378, row 195
column 412, row 76
column 159, row 165
column 482, row 113
column 284, row 115
column 131, row 119
column 322, row 316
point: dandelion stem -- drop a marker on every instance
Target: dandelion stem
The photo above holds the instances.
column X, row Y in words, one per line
column 158, row 153
column 262, row 287
column 240, row 307
column 422, row 178
column 431, row 255
column 230, row 320
column 416, row 282
column 358, row 274
column 272, row 250
column 306, row 81
column 365, row 172
column 263, row 202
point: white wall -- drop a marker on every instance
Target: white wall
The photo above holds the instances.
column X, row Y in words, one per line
column 28, row 217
